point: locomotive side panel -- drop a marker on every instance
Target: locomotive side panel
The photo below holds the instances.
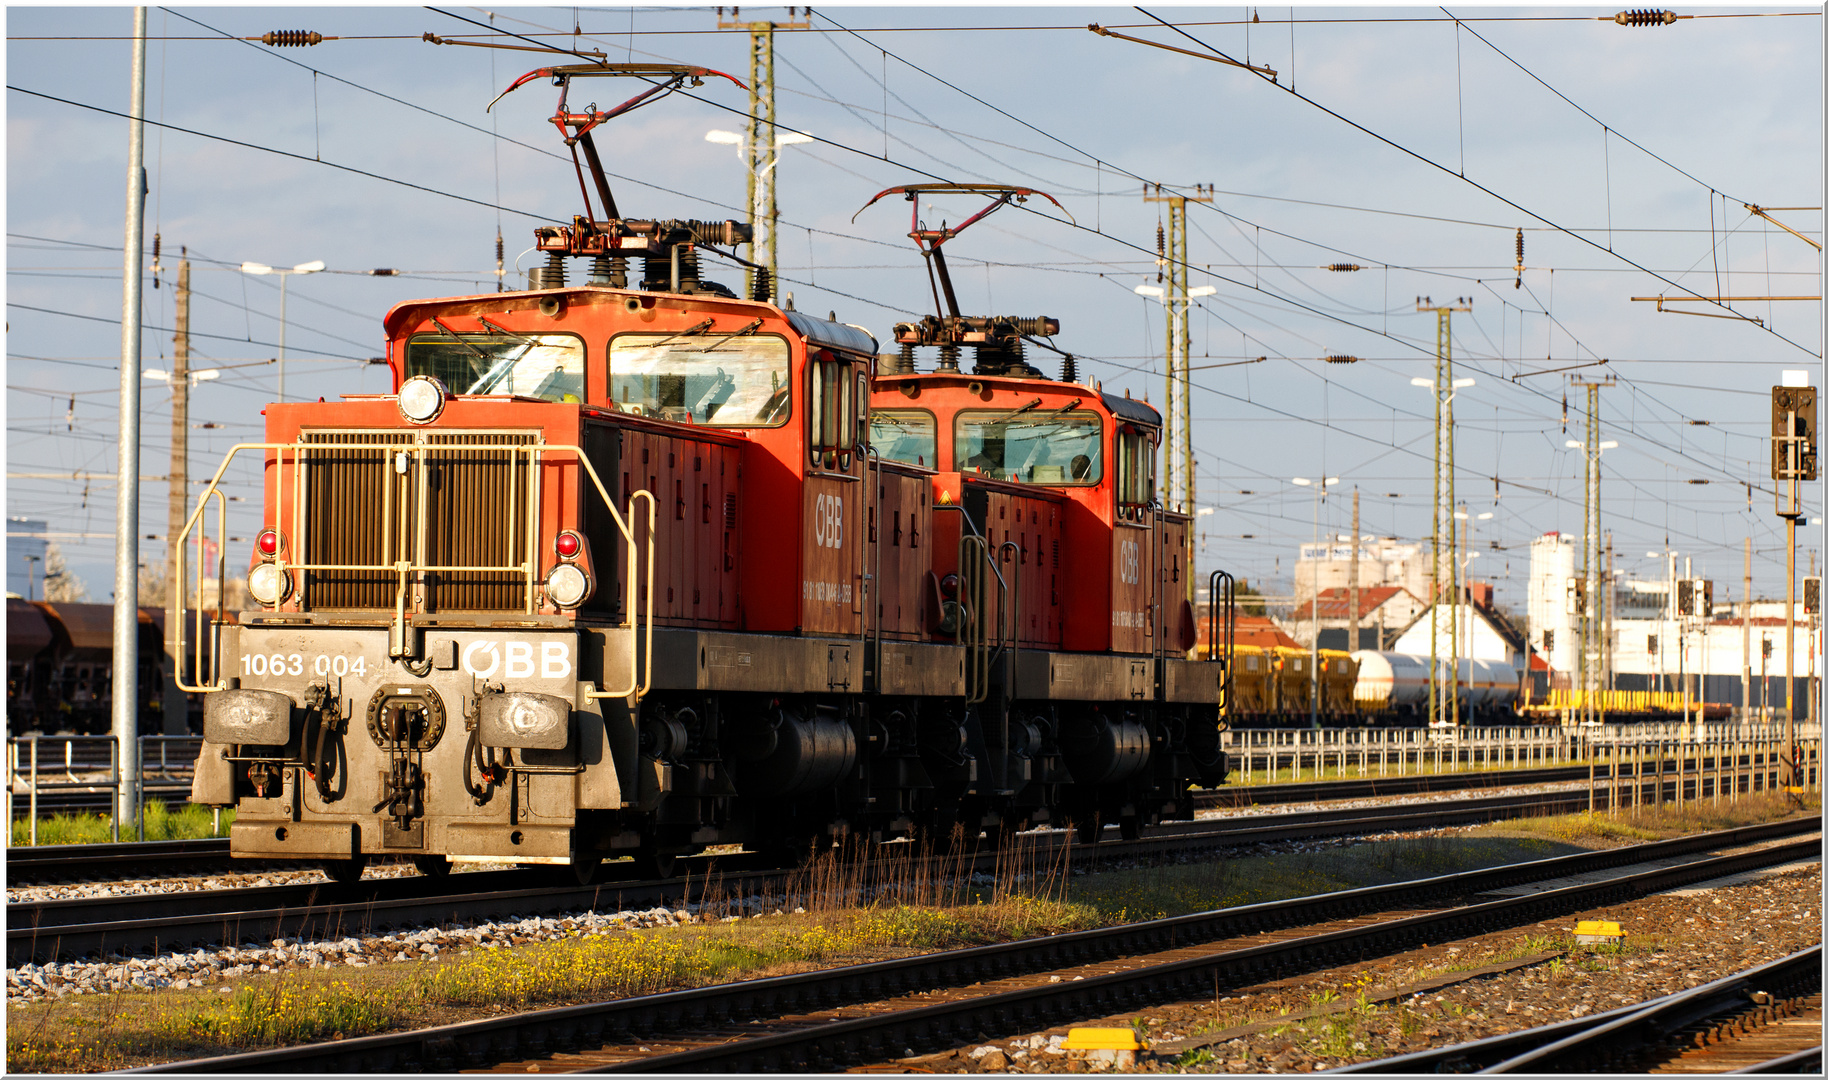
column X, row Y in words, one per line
column 1132, row 571
column 1022, row 529
column 1086, row 562
column 1179, row 632
column 831, row 555
column 900, row 552
column 697, row 550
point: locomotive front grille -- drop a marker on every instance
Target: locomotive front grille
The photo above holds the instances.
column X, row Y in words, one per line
column 475, row 516
column 450, row 506
column 346, row 486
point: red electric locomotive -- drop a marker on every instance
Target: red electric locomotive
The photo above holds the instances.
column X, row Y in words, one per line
column 1104, row 586
column 616, row 571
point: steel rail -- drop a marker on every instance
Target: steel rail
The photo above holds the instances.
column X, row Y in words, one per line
column 53, row 930
column 834, row 1044
column 1610, row 1041
column 1803, row 1061
column 473, row 1043
column 112, row 862
column 108, row 862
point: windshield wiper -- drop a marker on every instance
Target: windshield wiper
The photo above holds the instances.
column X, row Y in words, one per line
column 1011, row 415
column 500, row 371
column 475, row 368
column 687, row 332
column 750, row 329
column 515, row 334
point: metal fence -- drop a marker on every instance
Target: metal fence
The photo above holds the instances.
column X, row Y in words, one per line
column 1265, row 755
column 51, row 773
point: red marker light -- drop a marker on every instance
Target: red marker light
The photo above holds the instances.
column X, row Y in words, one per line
column 949, row 586
column 568, row 545
column 267, row 542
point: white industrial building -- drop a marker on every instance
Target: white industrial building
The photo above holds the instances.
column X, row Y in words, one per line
column 1381, row 562
column 1648, row 648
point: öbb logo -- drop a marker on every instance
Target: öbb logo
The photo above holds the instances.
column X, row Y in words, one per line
column 828, row 521
column 1129, row 566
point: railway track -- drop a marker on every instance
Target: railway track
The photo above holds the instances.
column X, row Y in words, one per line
column 58, row 930
column 1767, row 1019
column 799, row 1022
column 113, row 862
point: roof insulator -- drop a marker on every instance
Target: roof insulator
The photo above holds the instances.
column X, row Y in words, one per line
column 291, row 37
column 1642, row 17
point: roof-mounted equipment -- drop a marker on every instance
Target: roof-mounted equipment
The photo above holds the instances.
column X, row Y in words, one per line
column 668, row 248
column 998, row 339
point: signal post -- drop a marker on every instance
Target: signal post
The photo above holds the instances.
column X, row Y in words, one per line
column 1792, row 462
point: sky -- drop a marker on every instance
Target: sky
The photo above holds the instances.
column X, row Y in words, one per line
column 1410, row 142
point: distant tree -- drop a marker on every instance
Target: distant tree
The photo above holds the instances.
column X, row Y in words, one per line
column 1248, row 607
column 153, row 592
column 61, row 586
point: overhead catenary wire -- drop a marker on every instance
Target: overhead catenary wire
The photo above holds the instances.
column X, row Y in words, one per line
column 1393, row 144
column 1266, row 292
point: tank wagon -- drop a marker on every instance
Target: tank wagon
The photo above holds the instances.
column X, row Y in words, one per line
column 617, row 569
column 1395, row 686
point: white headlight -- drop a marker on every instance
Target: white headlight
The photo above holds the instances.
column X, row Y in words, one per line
column 567, row 585
column 269, row 584
column 421, row 399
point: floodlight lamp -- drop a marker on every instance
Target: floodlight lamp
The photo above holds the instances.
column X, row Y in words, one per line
column 255, row 268
column 311, row 267
column 1609, row 445
column 1458, row 383
column 1301, row 480
column 724, row 138
column 1573, row 444
column 789, row 138
column 1421, row 382
column 1203, row 290
column 1149, row 290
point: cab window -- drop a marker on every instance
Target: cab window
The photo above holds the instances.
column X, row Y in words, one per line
column 1030, row 445
column 905, row 435
column 1135, row 470
column 720, row 380
column 837, row 397
column 547, row 366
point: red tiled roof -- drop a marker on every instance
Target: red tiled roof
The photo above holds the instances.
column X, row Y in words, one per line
column 1259, row 630
column 1336, row 603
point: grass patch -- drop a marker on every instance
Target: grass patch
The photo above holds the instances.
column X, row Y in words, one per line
column 164, row 821
column 1649, row 823
column 89, row 1033
column 1156, row 892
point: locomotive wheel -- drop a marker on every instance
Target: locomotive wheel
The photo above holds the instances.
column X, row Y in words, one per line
column 584, row 868
column 436, row 867
column 653, row 864
column 1130, row 827
column 345, row 871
